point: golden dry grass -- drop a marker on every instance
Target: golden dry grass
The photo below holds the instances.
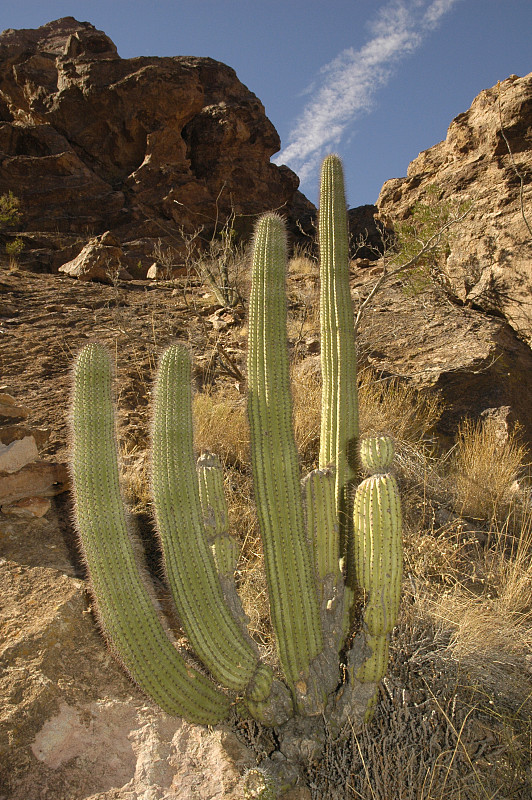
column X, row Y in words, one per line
column 485, row 468
column 220, row 424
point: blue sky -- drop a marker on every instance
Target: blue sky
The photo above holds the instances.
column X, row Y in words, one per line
column 377, row 81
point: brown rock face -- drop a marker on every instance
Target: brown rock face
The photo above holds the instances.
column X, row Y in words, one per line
column 490, row 261
column 474, row 362
column 144, row 146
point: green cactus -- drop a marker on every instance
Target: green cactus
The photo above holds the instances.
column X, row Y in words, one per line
column 339, row 419
column 288, row 558
column 214, row 509
column 318, row 546
column 215, row 635
column 125, row 609
column 378, row 551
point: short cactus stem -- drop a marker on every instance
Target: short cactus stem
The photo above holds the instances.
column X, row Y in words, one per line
column 322, row 521
column 376, row 454
column 378, row 549
column 257, row 784
column 378, row 552
column 214, row 508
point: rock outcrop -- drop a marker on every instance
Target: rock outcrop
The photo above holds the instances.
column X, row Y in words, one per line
column 102, row 259
column 474, row 362
column 71, row 724
column 486, row 159
column 144, row 147
column 26, row 482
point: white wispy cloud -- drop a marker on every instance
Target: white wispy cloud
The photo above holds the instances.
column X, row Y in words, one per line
column 345, row 87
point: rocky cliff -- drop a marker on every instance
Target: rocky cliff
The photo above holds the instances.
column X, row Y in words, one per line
column 144, row 147
column 485, row 160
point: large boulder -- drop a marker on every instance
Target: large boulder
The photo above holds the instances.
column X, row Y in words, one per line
column 145, row 146
column 102, row 259
column 487, row 151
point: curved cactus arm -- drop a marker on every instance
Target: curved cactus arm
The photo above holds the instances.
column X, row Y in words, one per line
column 215, row 635
column 288, row 560
column 126, row 613
column 339, row 420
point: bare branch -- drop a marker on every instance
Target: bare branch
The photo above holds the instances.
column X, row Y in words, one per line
column 430, row 245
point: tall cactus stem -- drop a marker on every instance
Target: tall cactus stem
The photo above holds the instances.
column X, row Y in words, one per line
column 124, row 606
column 288, row 558
column 215, row 635
column 339, row 421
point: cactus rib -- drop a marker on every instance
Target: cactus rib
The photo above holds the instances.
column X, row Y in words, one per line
column 124, row 607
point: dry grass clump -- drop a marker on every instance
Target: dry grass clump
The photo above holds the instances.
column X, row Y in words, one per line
column 485, row 467
column 396, row 408
column 220, row 424
column 306, row 395
column 302, row 265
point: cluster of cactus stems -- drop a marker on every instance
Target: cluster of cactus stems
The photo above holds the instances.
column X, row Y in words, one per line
column 323, row 541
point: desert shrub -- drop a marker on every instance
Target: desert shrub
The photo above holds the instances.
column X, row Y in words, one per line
column 432, row 221
column 13, row 249
column 222, row 266
column 10, row 210
column 484, row 470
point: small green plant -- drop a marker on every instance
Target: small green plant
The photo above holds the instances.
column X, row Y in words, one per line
column 10, row 211
column 319, row 552
column 430, row 221
column 13, row 249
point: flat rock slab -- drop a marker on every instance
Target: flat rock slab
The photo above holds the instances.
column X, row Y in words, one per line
column 37, row 479
column 17, row 454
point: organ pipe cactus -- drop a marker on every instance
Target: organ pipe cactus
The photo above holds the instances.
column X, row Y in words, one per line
column 318, row 548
